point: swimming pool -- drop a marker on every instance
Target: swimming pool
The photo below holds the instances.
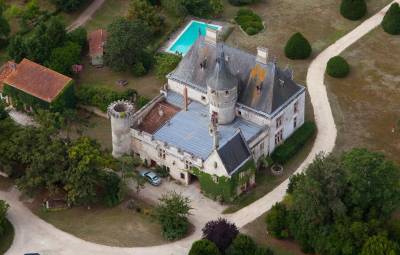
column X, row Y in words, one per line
column 189, row 35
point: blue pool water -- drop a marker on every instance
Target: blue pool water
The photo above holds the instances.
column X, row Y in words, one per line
column 189, row 35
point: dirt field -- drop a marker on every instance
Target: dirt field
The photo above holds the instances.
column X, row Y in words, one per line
column 366, row 104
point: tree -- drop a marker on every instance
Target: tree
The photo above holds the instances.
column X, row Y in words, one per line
column 172, row 212
column 29, row 15
column 353, row 9
column 379, row 245
column 78, row 36
column 242, row 2
column 204, row 247
column 3, row 111
column 203, row 8
column 221, row 232
column 63, row 58
column 174, row 7
column 338, row 67
column 126, row 44
column 127, row 165
column 83, row 178
column 113, row 189
column 263, row 251
column 276, row 220
column 4, row 25
column 3, row 213
column 147, row 13
column 16, row 48
column 166, row 63
column 298, row 47
column 69, row 5
column 242, row 245
column 391, row 21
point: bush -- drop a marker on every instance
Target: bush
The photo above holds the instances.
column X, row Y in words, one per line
column 138, row 69
column 102, row 97
column 394, row 230
column 221, row 232
column 166, row 63
column 294, row 143
column 113, row 189
column 353, row 9
column 141, row 101
column 242, row 2
column 204, row 247
column 338, row 67
column 69, row 5
column 276, row 221
column 379, row 244
column 249, row 21
column 242, row 245
column 391, row 21
column 298, row 47
column 263, row 251
column 3, row 111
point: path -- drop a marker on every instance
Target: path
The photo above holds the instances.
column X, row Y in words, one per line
column 20, row 117
column 86, row 15
column 33, row 234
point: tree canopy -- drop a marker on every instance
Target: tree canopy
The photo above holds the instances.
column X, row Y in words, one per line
column 204, row 247
column 3, row 213
column 69, row 5
column 339, row 200
column 221, row 232
column 142, row 10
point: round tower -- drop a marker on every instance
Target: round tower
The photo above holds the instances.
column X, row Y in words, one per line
column 120, row 113
column 222, row 92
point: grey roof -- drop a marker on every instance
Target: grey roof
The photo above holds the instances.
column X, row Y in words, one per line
column 234, row 153
column 189, row 130
column 263, row 87
column 222, row 78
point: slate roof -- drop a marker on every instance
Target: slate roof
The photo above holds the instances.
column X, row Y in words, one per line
column 234, row 153
column 222, row 78
column 97, row 40
column 37, row 80
column 263, row 87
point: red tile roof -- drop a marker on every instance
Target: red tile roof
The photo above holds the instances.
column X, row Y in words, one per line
column 5, row 71
column 158, row 116
column 37, row 80
column 97, row 39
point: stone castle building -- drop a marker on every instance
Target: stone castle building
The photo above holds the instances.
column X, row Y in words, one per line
column 221, row 110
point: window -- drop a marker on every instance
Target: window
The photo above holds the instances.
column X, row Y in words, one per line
column 296, row 107
column 279, row 137
column 215, row 165
column 182, row 176
column 161, row 153
column 295, row 122
column 261, row 146
column 279, row 121
column 188, row 164
column 226, row 92
column 203, row 98
column 240, row 113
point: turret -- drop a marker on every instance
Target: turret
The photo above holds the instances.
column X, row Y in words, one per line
column 222, row 91
column 120, row 113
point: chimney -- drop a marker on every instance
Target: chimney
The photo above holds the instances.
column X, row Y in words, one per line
column 262, row 55
column 211, row 36
column 185, row 99
column 214, row 130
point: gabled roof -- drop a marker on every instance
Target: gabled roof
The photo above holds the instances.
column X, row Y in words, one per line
column 263, row 87
column 234, row 153
column 97, row 40
column 37, row 80
column 5, row 71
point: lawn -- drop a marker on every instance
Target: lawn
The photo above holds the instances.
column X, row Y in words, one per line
column 108, row 12
column 117, row 226
column 258, row 231
column 366, row 103
column 266, row 181
column 8, row 237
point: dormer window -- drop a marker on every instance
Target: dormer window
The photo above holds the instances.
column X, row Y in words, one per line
column 226, row 92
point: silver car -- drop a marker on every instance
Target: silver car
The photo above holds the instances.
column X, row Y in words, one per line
column 151, row 177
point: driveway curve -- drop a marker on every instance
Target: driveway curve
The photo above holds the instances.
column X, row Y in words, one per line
column 86, row 15
column 34, row 234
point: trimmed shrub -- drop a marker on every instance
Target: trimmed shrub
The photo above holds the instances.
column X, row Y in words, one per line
column 338, row 67
column 102, row 97
column 204, row 247
column 242, row 245
column 294, row 143
column 353, row 9
column 391, row 21
column 297, row 47
column 221, row 232
column 242, row 2
column 276, row 221
column 249, row 21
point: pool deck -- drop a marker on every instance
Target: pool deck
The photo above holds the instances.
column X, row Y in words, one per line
column 175, row 35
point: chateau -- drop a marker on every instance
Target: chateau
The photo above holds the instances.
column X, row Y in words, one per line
column 221, row 110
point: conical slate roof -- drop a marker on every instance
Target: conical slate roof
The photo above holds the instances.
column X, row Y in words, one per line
column 222, row 78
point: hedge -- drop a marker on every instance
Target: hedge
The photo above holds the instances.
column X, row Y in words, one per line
column 294, row 143
column 249, row 21
column 298, row 47
column 338, row 67
column 353, row 9
column 242, row 2
column 391, row 21
column 102, row 97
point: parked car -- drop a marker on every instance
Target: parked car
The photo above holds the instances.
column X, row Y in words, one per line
column 35, row 253
column 151, row 177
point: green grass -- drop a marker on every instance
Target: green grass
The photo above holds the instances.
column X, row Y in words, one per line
column 117, row 226
column 8, row 237
column 107, row 13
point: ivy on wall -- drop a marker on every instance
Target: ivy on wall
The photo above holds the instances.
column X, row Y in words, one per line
column 224, row 188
